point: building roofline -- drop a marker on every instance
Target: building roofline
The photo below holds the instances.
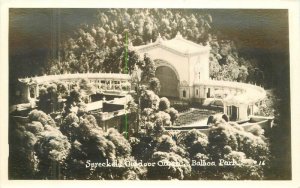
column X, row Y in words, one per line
column 161, row 43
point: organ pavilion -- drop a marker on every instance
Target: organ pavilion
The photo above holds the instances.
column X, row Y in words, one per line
column 183, row 72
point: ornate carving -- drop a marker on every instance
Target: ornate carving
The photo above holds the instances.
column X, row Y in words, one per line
column 184, row 83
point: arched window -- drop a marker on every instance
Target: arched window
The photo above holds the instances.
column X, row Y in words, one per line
column 197, row 92
column 184, row 93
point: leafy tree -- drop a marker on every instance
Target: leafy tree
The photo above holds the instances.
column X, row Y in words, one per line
column 48, row 99
column 23, row 162
column 163, row 118
column 148, row 69
column 154, row 85
column 166, row 143
column 194, row 142
column 42, row 146
column 149, row 100
column 42, row 117
column 243, row 74
column 173, row 114
column 174, row 166
column 93, row 144
column 62, row 89
column 74, row 99
column 69, row 127
column 118, row 61
column 164, row 104
column 86, row 87
column 224, row 134
column 52, row 149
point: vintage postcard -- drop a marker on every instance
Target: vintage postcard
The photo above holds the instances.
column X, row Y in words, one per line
column 150, row 93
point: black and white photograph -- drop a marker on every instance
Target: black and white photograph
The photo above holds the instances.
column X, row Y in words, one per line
column 149, row 94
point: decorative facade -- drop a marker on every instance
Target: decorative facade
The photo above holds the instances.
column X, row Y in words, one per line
column 180, row 64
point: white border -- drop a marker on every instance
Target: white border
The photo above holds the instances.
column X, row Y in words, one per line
column 292, row 5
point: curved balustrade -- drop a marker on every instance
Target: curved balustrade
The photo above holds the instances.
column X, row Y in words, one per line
column 109, row 82
column 244, row 92
column 76, row 76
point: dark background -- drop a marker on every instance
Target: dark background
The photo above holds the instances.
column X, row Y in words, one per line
column 35, row 34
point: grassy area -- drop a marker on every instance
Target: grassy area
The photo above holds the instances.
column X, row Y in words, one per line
column 194, row 115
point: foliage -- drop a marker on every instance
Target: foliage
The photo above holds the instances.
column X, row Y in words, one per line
column 154, row 85
column 173, row 114
column 101, row 47
column 52, row 153
column 164, row 104
column 157, row 110
column 42, row 117
column 268, row 105
column 52, row 149
column 69, row 126
column 42, row 146
column 149, row 100
column 91, row 143
column 23, row 159
column 86, row 88
column 194, row 142
column 227, row 140
column 173, row 166
column 148, row 69
column 74, row 100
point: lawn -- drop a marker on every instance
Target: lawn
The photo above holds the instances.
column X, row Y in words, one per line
column 193, row 116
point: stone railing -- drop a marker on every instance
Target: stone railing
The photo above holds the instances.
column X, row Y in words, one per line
column 75, row 76
column 244, row 92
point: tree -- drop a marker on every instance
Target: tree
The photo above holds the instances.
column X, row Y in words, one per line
column 149, row 100
column 223, row 134
column 194, row 142
column 163, row 118
column 73, row 100
column 70, row 126
column 243, row 74
column 154, row 85
column 118, row 61
column 164, row 104
column 86, row 88
column 48, row 99
column 42, row 146
column 173, row 167
column 173, row 114
column 52, row 149
column 42, row 117
column 148, row 69
column 23, row 161
column 166, row 143
column 95, row 145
